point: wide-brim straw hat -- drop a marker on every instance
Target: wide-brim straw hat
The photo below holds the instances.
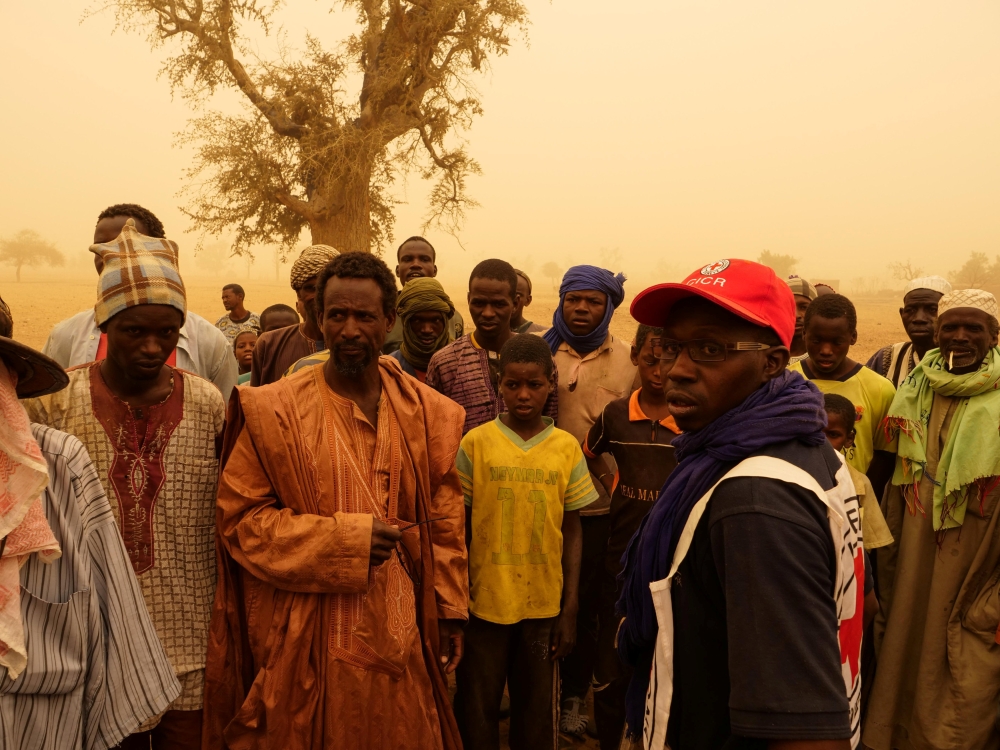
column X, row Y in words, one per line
column 37, row 375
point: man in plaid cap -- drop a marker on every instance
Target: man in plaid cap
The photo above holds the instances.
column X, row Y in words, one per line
column 278, row 350
column 152, row 431
column 201, row 347
column 937, row 683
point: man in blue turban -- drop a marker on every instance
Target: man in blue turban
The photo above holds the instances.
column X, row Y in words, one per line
column 595, row 368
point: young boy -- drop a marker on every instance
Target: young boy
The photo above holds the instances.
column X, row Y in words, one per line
column 278, row 316
column 637, row 431
column 841, row 415
column 525, row 482
column 831, row 329
column 243, row 346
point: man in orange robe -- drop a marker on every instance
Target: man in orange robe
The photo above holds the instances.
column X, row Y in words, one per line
column 334, row 625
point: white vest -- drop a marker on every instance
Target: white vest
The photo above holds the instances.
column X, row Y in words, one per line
column 845, row 530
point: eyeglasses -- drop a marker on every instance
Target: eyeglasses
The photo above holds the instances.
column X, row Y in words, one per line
column 703, row 350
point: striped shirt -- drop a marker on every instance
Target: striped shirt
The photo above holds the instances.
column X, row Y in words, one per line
column 461, row 371
column 96, row 670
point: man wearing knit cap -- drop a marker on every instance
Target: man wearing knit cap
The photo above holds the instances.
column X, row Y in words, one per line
column 919, row 314
column 276, row 351
column 594, row 368
column 937, row 683
column 152, row 431
column 201, row 347
column 804, row 293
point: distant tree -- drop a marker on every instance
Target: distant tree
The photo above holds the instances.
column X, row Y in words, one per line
column 306, row 151
column 783, row 265
column 977, row 272
column 215, row 258
column 553, row 272
column 905, row 270
column 611, row 259
column 27, row 248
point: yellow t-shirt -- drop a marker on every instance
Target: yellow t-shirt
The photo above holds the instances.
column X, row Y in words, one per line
column 874, row 529
column 518, row 491
column 872, row 396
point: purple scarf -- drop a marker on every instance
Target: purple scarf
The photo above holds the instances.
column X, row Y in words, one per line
column 787, row 408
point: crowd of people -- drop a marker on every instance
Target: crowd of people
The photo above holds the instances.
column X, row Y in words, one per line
column 361, row 522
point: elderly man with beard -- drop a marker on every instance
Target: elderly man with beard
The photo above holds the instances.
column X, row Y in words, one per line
column 938, row 678
column 343, row 568
column 416, row 258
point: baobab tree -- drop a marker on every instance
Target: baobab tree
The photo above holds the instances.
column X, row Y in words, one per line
column 27, row 248
column 306, row 153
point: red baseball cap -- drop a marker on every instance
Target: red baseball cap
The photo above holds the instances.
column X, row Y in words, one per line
column 747, row 289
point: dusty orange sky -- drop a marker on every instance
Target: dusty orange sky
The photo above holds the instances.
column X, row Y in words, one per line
column 847, row 134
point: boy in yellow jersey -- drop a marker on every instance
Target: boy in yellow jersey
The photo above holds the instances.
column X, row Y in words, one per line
column 524, row 482
column 831, row 329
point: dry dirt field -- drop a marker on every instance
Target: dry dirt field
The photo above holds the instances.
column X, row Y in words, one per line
column 37, row 306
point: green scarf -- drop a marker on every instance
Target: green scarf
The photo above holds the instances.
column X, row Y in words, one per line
column 419, row 296
column 970, row 461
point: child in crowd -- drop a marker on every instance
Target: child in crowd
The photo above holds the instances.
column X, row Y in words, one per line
column 278, row 316
column 524, row 482
column 243, row 346
column 841, row 417
column 831, row 329
column 637, row 431
column 840, row 433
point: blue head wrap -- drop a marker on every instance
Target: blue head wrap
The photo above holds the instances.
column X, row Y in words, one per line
column 577, row 279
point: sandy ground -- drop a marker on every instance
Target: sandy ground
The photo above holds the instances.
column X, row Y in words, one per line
column 37, row 306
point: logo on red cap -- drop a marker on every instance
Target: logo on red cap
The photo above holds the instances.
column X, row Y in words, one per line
column 715, row 268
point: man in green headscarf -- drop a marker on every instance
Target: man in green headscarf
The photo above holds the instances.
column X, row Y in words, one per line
column 937, row 683
column 424, row 309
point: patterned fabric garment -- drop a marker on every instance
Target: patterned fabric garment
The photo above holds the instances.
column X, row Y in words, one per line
column 894, row 362
column 461, row 371
column 159, row 474
column 230, row 327
column 24, row 474
column 344, row 655
column 96, row 671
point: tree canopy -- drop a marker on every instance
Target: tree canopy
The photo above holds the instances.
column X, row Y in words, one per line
column 27, row 248
column 306, row 153
column 782, row 265
column 977, row 272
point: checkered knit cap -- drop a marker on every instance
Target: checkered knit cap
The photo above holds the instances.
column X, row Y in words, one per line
column 974, row 298
column 801, row 287
column 312, row 260
column 138, row 270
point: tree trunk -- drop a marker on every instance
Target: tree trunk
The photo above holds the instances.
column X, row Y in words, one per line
column 349, row 229
column 18, row 273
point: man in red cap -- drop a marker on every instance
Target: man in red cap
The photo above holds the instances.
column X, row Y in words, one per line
column 743, row 590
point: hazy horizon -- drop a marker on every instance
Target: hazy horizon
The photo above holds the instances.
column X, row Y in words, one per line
column 847, row 135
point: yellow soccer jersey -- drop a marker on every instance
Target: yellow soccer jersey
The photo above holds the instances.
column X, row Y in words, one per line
column 872, row 396
column 518, row 492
